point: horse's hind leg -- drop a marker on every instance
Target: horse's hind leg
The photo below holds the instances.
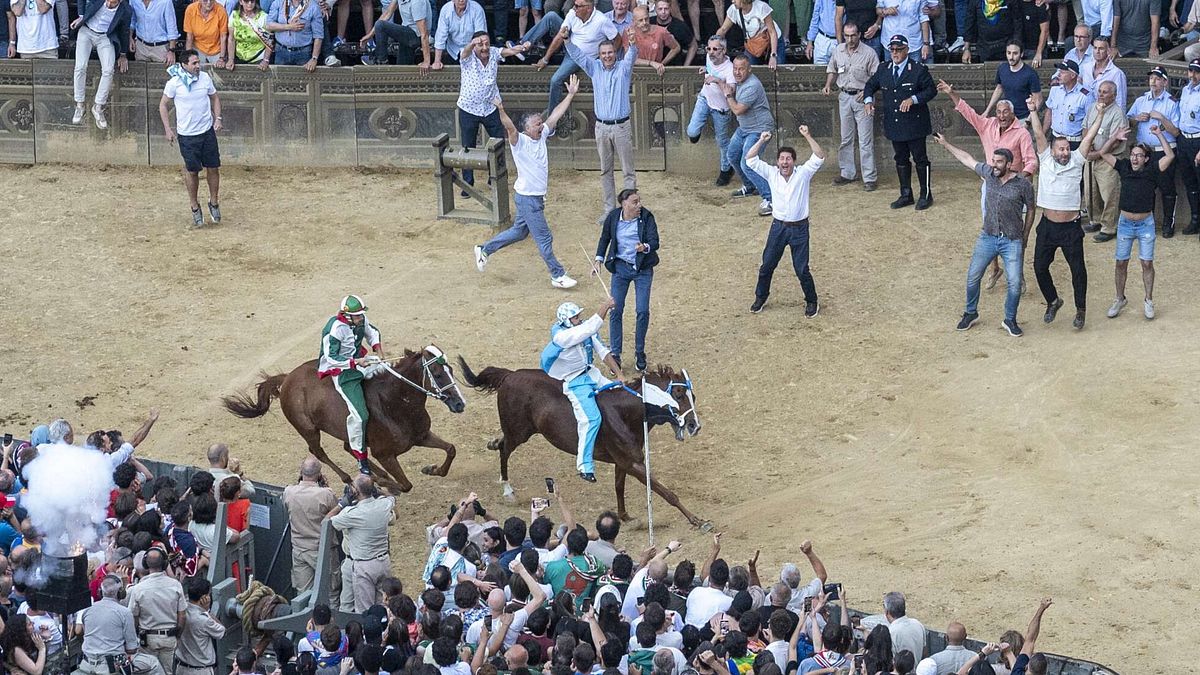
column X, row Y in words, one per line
column 431, row 440
column 391, row 467
column 314, row 446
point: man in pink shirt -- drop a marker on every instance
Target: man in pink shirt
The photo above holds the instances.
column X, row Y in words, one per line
column 651, row 40
column 1001, row 131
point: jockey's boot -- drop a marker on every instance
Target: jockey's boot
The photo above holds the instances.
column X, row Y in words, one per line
column 589, row 477
column 363, row 466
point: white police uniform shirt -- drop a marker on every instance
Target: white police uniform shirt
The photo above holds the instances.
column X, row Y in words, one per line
column 1069, row 108
column 1189, row 109
column 1165, row 106
column 574, row 357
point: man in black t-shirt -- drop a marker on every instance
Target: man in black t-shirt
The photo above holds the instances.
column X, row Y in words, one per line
column 1035, row 30
column 678, row 30
column 1139, row 176
column 862, row 14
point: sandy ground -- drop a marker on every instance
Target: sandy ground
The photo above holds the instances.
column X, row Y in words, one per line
column 974, row 471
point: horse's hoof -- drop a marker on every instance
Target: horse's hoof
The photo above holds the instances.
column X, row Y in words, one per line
column 705, row 526
column 508, row 493
column 625, row 517
column 428, row 470
column 495, row 444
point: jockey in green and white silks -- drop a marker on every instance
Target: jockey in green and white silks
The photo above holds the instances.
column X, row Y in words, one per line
column 342, row 358
column 574, row 343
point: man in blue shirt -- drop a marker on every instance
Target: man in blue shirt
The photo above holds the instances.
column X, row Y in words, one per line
column 299, row 29
column 1067, row 104
column 155, row 30
column 611, row 81
column 822, row 33
column 628, row 248
column 1157, row 108
column 1189, row 143
column 1015, row 82
column 458, row 21
column 410, row 29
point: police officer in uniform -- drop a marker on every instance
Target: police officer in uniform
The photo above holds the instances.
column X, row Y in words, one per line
column 1189, row 143
column 1157, row 108
column 907, row 89
column 1067, row 105
column 110, row 642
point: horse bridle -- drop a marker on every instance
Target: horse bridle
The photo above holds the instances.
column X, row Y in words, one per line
column 686, row 383
column 429, row 385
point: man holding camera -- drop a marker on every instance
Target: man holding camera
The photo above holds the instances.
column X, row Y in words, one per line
column 110, row 642
column 308, row 503
column 363, row 518
column 159, row 606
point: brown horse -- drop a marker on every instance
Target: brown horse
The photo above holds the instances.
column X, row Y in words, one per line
column 395, row 399
column 531, row 402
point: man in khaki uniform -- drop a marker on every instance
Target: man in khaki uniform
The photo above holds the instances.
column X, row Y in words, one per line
column 109, row 636
column 363, row 521
column 158, row 605
column 1105, row 184
column 308, row 502
column 195, row 653
column 852, row 64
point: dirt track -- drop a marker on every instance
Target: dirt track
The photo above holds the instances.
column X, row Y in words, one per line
column 973, row 471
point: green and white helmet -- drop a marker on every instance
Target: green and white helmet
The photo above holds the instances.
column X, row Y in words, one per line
column 353, row 305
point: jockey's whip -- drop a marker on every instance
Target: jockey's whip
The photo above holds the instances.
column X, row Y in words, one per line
column 592, row 264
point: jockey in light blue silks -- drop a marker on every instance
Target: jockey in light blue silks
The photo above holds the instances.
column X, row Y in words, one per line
column 574, row 344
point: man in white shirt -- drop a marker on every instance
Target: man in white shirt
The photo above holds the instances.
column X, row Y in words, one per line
column 35, row 37
column 528, row 144
column 907, row 633
column 197, row 121
column 1101, row 68
column 711, row 104
column 586, row 27
column 789, row 216
column 706, row 601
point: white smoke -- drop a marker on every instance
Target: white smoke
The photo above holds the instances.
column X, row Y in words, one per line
column 67, row 500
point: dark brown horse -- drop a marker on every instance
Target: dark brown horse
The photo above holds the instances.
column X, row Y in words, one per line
column 531, row 402
column 395, row 399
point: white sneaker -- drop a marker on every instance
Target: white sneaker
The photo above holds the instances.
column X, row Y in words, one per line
column 1149, row 309
column 98, row 115
column 77, row 118
column 480, row 258
column 563, row 282
column 1116, row 308
column 957, row 46
column 332, row 61
column 764, row 207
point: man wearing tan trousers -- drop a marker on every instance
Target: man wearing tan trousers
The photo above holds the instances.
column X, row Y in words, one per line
column 1105, row 185
column 308, row 502
column 159, row 608
column 363, row 518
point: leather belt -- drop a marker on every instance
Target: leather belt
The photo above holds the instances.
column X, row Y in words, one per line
column 153, row 44
column 719, row 112
column 294, row 49
column 826, row 35
column 185, row 664
column 852, row 92
column 613, row 122
column 792, row 223
column 381, row 555
column 166, row 632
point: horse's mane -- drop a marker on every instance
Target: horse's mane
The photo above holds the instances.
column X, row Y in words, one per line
column 662, row 370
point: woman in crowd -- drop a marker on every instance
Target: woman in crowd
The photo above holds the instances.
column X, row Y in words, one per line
column 249, row 41
column 763, row 41
column 25, row 652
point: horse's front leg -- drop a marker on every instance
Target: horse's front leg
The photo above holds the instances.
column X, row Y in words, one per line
column 431, row 440
column 387, row 458
column 619, row 480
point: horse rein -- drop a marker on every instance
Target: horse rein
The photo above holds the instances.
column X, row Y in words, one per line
column 433, row 390
column 686, row 383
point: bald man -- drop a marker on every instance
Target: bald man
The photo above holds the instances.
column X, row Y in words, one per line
column 363, row 516
column 516, row 656
column 218, row 466
column 308, row 502
column 654, row 571
column 950, row 659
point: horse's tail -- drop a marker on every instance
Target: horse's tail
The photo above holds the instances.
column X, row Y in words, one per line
column 247, row 407
column 488, row 380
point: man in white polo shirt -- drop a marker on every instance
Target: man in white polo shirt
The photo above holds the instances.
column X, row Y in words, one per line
column 789, row 216
column 586, row 27
column 528, row 146
column 197, row 121
column 35, row 36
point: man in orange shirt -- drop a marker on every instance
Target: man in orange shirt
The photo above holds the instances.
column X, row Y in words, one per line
column 207, row 28
column 650, row 39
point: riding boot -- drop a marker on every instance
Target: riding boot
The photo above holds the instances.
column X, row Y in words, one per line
column 904, row 173
column 1193, row 197
column 364, row 466
column 925, row 176
column 1168, row 216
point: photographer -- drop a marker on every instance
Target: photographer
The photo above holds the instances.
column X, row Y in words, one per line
column 308, row 502
column 363, row 517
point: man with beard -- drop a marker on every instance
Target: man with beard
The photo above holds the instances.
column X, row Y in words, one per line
column 1015, row 82
column 1156, row 109
column 1007, row 194
column 1059, row 195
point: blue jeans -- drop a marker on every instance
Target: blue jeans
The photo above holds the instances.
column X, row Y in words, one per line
column 723, row 123
column 531, row 219
column 550, row 24
column 735, row 154
column 987, row 247
column 289, row 57
column 581, row 392
column 780, row 237
column 387, row 32
column 558, row 83
column 468, row 126
column 1141, row 230
column 624, row 275
column 961, row 7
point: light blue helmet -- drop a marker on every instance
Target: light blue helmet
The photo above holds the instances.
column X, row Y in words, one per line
column 566, row 311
